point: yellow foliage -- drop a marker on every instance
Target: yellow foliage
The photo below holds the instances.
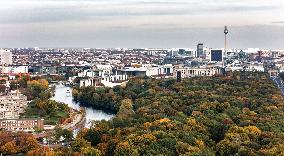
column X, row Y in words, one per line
column 271, row 108
column 253, row 129
column 196, row 113
column 232, row 136
column 43, row 82
column 193, row 149
column 274, row 150
column 40, row 82
column 123, row 148
column 123, row 145
column 125, row 109
column 170, row 125
column 149, row 137
column 147, row 124
column 191, row 121
column 9, row 148
column 200, row 143
column 164, row 120
column 43, row 151
column 248, row 112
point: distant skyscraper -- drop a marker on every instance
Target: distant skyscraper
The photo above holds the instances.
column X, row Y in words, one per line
column 199, row 50
column 173, row 53
column 5, row 57
column 216, row 55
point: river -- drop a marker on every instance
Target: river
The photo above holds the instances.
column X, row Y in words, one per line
column 91, row 113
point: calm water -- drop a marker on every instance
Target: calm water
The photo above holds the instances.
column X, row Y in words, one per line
column 91, row 113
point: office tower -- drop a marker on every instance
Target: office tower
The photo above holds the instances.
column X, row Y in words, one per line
column 216, row 55
column 199, row 50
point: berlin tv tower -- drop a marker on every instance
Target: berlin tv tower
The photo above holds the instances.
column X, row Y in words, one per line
column 226, row 31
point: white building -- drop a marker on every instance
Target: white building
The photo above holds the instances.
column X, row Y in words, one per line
column 108, row 81
column 12, row 105
column 5, row 57
column 187, row 72
column 150, row 70
column 15, row 69
column 255, row 67
column 105, row 68
column 88, row 73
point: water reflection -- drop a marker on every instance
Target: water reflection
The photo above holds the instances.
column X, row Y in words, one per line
column 62, row 95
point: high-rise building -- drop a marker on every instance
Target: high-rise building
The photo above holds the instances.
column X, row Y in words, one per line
column 5, row 57
column 216, row 55
column 199, row 50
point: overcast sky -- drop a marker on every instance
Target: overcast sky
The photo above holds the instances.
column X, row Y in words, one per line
column 141, row 23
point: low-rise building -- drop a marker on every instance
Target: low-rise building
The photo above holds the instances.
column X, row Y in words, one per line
column 196, row 71
column 27, row 125
column 147, row 70
column 14, row 69
column 108, row 81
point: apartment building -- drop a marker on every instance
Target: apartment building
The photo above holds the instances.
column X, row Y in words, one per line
column 21, row 124
column 11, row 105
column 5, row 57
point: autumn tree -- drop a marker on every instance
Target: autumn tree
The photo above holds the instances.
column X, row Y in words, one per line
column 125, row 109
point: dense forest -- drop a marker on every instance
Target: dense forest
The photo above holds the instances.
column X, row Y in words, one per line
column 237, row 114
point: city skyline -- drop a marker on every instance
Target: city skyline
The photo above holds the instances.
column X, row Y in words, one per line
column 141, row 23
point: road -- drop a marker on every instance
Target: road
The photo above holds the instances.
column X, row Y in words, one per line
column 279, row 83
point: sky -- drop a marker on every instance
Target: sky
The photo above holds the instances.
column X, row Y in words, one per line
column 141, row 23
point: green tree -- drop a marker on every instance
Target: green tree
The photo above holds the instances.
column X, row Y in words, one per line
column 125, row 109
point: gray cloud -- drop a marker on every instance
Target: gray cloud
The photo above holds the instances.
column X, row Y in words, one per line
column 72, row 13
column 138, row 23
column 75, row 10
column 278, row 22
column 268, row 37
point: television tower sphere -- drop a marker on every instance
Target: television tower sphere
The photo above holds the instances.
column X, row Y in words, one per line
column 226, row 31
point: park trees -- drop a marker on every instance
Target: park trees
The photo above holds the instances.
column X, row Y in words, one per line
column 37, row 89
column 235, row 114
column 13, row 143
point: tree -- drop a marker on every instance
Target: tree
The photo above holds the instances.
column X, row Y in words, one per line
column 13, row 143
column 233, row 114
column 42, row 151
column 65, row 133
column 125, row 109
column 2, row 88
column 37, row 88
column 27, row 142
column 9, row 148
column 90, row 151
column 80, row 143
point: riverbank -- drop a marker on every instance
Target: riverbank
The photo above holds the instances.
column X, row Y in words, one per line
column 91, row 114
column 98, row 98
column 76, row 121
